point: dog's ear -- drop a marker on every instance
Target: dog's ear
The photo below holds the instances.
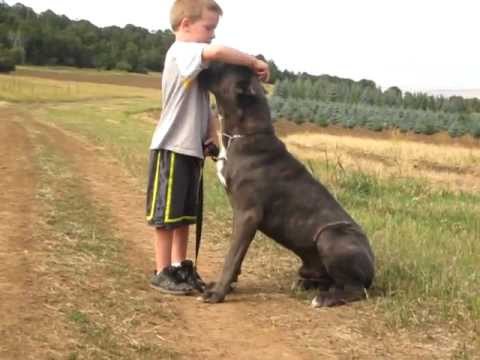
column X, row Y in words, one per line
column 204, row 79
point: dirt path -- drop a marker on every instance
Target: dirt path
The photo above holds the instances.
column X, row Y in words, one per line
column 17, row 182
column 26, row 329
column 255, row 323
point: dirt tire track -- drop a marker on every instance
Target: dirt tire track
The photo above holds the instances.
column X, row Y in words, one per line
column 26, row 327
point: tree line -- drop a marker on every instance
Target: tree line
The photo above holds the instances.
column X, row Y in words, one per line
column 50, row 39
column 328, row 100
column 374, row 117
column 335, row 89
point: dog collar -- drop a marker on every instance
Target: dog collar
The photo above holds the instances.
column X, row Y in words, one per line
column 231, row 138
column 239, row 136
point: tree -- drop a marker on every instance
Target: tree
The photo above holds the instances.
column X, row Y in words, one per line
column 458, row 127
column 275, row 74
column 393, row 96
column 7, row 60
column 455, row 104
column 475, row 129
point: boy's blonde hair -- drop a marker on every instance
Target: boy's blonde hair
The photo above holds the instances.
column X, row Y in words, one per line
column 192, row 10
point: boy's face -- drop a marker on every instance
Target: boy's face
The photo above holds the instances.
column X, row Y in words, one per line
column 203, row 29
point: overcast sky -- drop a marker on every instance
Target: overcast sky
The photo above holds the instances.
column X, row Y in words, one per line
column 413, row 44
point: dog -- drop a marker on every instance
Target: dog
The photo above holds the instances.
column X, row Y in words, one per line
column 271, row 191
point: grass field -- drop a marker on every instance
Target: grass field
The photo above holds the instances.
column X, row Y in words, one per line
column 419, row 203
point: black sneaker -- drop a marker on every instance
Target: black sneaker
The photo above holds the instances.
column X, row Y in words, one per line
column 169, row 282
column 188, row 274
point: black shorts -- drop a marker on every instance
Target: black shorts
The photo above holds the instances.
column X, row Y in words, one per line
column 172, row 191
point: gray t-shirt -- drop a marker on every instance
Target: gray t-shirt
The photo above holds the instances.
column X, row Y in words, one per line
column 183, row 125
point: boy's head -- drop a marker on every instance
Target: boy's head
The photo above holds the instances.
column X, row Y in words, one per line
column 195, row 20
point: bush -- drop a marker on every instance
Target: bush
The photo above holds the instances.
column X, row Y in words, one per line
column 349, row 123
column 7, row 61
column 425, row 128
column 475, row 130
column 375, row 125
column 320, row 119
column 140, row 69
column 457, row 129
column 123, row 66
column 18, row 55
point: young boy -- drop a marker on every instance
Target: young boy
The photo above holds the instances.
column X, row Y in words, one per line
column 185, row 128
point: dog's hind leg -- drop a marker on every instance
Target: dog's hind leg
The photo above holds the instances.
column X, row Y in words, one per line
column 339, row 296
column 312, row 279
column 244, row 227
column 349, row 262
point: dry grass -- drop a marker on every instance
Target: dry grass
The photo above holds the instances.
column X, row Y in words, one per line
column 453, row 167
column 29, row 89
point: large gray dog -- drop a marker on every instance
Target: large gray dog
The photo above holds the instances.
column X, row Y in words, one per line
column 271, row 191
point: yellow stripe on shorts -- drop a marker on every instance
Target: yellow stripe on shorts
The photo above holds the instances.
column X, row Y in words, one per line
column 155, row 189
column 170, row 187
column 169, row 195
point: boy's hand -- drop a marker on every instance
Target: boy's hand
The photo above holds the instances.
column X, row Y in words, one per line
column 262, row 69
column 210, row 149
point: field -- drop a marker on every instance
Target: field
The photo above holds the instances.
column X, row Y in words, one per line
column 76, row 255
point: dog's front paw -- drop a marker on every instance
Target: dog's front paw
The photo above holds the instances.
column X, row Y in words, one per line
column 230, row 287
column 212, row 297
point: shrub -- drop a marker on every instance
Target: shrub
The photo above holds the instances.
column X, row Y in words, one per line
column 123, row 66
column 457, row 129
column 475, row 130
column 375, row 125
column 7, row 61
column 475, row 126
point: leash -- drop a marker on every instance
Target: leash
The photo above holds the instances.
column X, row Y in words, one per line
column 198, row 226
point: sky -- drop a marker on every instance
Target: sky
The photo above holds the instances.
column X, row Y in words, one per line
column 417, row 45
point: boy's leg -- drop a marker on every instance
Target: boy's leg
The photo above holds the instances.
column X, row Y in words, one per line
column 166, row 278
column 179, row 244
column 163, row 248
column 159, row 205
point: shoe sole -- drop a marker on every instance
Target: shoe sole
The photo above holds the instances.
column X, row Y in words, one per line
column 171, row 292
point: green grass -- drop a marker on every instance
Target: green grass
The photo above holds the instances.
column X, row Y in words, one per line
column 426, row 243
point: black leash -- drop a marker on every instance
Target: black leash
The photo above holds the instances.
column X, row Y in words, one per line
column 198, row 226
column 211, row 150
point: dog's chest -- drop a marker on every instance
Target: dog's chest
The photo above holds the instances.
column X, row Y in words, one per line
column 221, row 162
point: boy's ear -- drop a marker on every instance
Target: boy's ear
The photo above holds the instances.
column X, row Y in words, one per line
column 185, row 24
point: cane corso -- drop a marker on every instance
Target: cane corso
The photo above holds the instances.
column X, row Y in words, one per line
column 271, row 191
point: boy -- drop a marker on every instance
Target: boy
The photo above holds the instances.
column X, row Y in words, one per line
column 185, row 128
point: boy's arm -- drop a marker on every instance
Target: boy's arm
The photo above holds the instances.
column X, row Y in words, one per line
column 215, row 52
column 211, row 144
column 213, row 128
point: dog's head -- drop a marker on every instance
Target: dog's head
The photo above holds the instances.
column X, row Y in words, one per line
column 234, row 86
